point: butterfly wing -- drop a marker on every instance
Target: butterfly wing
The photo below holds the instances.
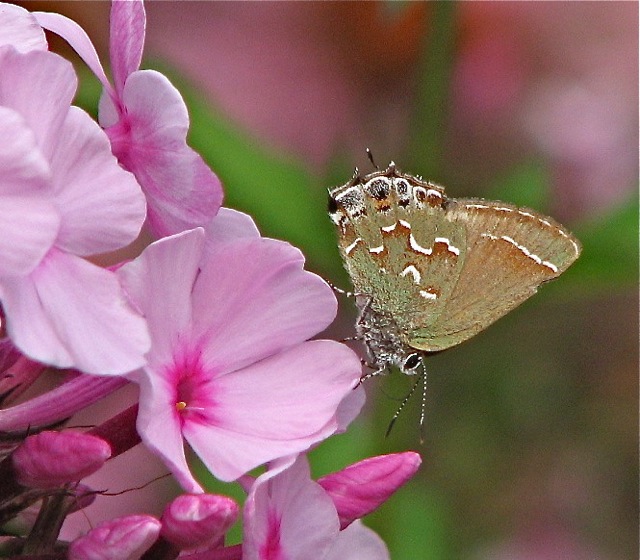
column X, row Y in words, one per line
column 510, row 252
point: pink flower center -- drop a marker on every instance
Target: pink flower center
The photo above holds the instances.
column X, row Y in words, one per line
column 193, row 398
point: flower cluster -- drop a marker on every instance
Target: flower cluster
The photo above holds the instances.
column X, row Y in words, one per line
column 211, row 320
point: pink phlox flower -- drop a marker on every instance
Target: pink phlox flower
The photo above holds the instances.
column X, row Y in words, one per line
column 231, row 370
column 288, row 516
column 147, row 122
column 63, row 197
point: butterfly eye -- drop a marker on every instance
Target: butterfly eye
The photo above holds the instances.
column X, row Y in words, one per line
column 411, row 363
column 332, row 205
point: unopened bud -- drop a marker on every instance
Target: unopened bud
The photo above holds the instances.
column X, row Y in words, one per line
column 195, row 520
column 360, row 488
column 125, row 538
column 52, row 459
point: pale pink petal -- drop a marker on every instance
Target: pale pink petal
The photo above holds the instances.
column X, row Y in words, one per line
column 358, row 542
column 30, row 219
column 126, row 40
column 182, row 192
column 19, row 29
column 350, row 407
column 229, row 225
column 27, row 231
column 253, row 299
column 288, row 516
column 159, row 283
column 70, row 313
column 77, row 37
column 278, row 406
column 159, row 428
column 102, row 204
column 108, row 109
column 24, row 79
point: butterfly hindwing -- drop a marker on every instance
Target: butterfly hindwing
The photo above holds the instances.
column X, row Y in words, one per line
column 510, row 252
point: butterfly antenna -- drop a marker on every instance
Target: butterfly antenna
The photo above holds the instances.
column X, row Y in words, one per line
column 404, row 403
column 370, row 156
column 423, row 404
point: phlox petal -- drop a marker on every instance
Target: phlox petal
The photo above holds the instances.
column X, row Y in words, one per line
column 30, row 219
column 159, row 427
column 278, row 406
column 102, row 204
column 253, row 299
column 229, row 225
column 77, row 37
column 126, row 40
column 19, row 29
column 288, row 516
column 150, row 140
column 39, row 86
column 70, row 313
column 358, row 542
column 164, row 272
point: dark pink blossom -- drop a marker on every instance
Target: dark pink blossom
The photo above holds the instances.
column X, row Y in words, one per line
column 229, row 370
column 52, row 459
column 147, row 122
column 197, row 520
column 124, row 538
column 360, row 488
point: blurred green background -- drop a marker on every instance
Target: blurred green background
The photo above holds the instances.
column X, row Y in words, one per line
column 531, row 447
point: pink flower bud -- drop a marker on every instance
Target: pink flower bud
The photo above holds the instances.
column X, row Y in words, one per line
column 360, row 488
column 125, row 538
column 195, row 520
column 52, row 459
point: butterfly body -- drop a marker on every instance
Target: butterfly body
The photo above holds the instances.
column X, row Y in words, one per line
column 433, row 271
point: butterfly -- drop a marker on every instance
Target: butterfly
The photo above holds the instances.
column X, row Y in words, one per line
column 429, row 271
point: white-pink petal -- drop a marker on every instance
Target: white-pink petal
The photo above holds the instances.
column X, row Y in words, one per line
column 19, row 29
column 71, row 313
column 253, row 298
column 278, row 406
column 103, row 206
column 30, row 220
